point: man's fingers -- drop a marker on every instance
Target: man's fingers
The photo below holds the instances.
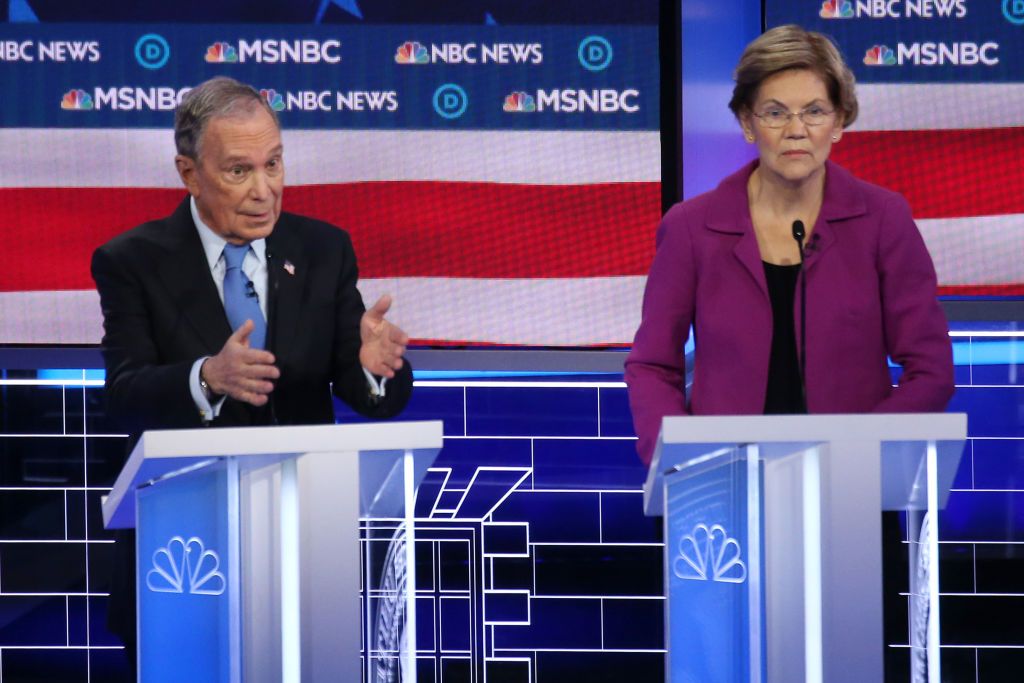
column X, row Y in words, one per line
column 380, row 308
column 252, row 398
column 241, row 335
column 257, row 357
column 397, row 336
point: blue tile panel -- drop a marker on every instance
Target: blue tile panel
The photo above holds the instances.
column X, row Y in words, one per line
column 616, row 420
column 599, row 570
column 998, row 463
column 506, row 539
column 515, row 411
column 603, row 667
column 509, row 607
column 991, row 411
column 621, row 620
column 555, row 623
column 587, row 464
column 555, row 517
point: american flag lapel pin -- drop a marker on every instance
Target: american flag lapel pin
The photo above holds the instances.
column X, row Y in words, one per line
column 289, row 267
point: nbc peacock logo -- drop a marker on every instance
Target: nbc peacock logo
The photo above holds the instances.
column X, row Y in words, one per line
column 186, row 567
column 879, row 55
column 76, row 99
column 836, row 9
column 519, row 101
column 221, row 53
column 273, row 98
column 709, row 553
column 411, row 52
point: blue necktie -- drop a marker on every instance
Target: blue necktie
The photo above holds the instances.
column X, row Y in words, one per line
column 240, row 300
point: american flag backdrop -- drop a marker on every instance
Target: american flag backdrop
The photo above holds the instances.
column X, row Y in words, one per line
column 526, row 219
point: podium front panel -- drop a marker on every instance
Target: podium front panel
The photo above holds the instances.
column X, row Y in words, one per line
column 184, row 587
column 713, row 540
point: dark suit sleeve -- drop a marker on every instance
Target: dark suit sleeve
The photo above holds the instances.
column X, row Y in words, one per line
column 142, row 393
column 349, row 382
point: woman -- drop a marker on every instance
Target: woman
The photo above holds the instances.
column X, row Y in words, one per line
column 727, row 263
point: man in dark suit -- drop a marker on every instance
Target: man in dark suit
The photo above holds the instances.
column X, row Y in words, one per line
column 231, row 313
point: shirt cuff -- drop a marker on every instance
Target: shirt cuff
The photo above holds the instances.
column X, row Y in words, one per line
column 376, row 388
column 207, row 412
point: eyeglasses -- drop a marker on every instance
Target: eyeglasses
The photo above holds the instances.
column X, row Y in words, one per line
column 777, row 117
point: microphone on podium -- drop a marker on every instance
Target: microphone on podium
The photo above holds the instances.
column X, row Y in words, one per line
column 798, row 234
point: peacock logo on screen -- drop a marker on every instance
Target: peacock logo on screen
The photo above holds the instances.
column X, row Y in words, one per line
column 836, row 9
column 221, row 53
column 76, row 99
column 879, row 55
column 411, row 52
column 273, row 98
column 519, row 101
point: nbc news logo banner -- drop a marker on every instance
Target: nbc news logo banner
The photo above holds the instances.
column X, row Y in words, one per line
column 893, row 9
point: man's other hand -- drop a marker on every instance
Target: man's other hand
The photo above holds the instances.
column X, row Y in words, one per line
column 383, row 343
column 240, row 372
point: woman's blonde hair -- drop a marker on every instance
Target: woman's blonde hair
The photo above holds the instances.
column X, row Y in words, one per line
column 792, row 47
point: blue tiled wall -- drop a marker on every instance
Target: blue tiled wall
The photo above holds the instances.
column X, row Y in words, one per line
column 541, row 566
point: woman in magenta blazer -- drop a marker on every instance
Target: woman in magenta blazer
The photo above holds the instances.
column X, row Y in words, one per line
column 728, row 265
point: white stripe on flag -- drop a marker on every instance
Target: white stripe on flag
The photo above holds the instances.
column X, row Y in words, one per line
column 939, row 106
column 540, row 312
column 981, row 250
column 91, row 157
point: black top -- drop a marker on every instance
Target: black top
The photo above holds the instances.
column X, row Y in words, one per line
column 784, row 395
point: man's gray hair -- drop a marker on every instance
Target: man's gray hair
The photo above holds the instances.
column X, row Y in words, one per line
column 217, row 97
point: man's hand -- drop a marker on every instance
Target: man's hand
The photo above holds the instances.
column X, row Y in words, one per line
column 383, row 343
column 242, row 373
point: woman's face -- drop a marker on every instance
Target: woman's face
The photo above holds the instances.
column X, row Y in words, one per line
column 794, row 152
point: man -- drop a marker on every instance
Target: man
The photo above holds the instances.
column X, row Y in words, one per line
column 231, row 313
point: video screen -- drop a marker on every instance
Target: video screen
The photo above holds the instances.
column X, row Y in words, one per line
column 497, row 165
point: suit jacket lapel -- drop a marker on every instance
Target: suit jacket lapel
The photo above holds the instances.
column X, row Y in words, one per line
column 186, row 275
column 843, row 200
column 287, row 275
column 730, row 213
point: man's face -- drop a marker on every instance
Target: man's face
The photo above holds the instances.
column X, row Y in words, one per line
column 239, row 177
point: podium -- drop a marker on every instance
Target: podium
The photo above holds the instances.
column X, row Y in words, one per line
column 772, row 529
column 248, row 555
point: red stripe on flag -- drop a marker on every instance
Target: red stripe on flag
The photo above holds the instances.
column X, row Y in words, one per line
column 1009, row 289
column 400, row 229
column 942, row 173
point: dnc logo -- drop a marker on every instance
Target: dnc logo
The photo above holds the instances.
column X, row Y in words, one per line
column 186, row 567
column 411, row 52
column 76, row 99
column 273, row 98
column 519, row 102
column 1013, row 10
column 221, row 52
column 836, row 9
column 450, row 101
column 595, row 53
column 879, row 55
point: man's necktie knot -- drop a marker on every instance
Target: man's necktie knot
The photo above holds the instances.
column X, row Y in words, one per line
column 234, row 254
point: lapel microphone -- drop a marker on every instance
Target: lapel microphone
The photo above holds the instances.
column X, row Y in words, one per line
column 798, row 234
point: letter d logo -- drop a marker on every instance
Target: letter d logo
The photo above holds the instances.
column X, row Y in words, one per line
column 595, row 53
column 450, row 101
